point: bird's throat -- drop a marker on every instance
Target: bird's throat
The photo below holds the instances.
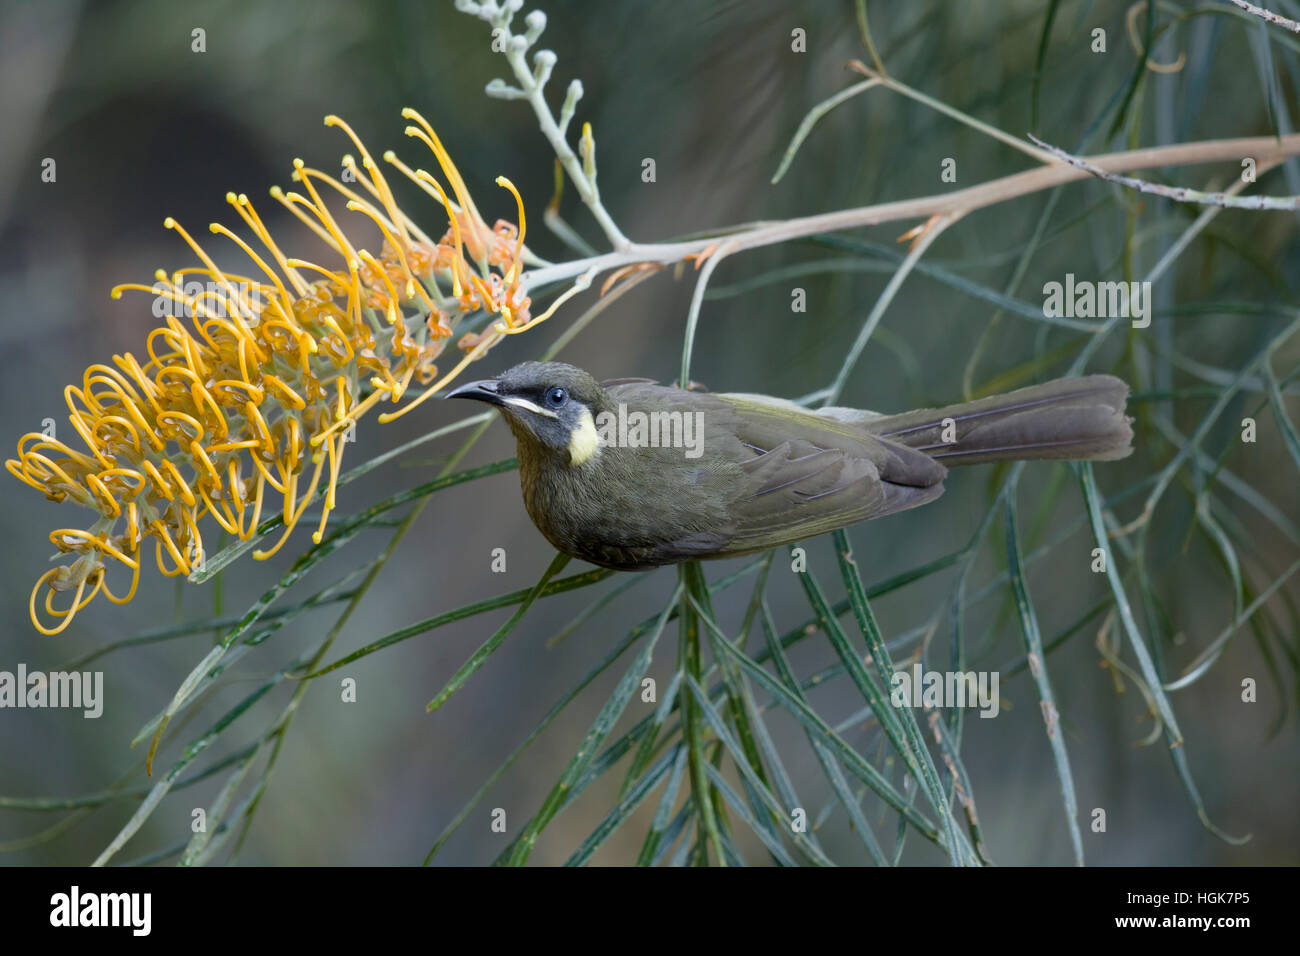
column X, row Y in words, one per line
column 584, row 443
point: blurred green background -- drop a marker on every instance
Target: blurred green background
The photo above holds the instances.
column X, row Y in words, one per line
column 141, row 128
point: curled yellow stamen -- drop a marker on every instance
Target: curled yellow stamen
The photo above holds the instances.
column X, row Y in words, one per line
column 293, row 398
column 179, row 484
column 66, row 615
column 513, row 271
column 583, row 282
column 291, row 201
column 371, row 167
column 285, row 300
column 484, row 344
column 126, row 598
column 455, row 229
column 413, row 286
column 449, row 169
column 162, row 485
column 391, row 312
column 164, row 540
column 214, row 272
column 323, row 213
column 246, row 212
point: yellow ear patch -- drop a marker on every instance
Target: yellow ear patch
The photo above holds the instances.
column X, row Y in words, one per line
column 583, row 441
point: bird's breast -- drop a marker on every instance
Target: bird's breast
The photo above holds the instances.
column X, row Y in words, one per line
column 625, row 509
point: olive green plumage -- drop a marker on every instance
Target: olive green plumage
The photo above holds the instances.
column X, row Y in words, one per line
column 768, row 472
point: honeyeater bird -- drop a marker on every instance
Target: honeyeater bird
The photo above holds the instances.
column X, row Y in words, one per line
column 629, row 474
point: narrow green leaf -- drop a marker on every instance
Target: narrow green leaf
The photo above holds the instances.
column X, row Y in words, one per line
column 660, row 828
column 682, row 823
column 1139, row 71
column 1284, row 424
column 689, row 654
column 1038, row 668
column 810, row 120
column 762, row 830
column 645, row 751
column 565, row 699
column 486, row 649
column 850, row 757
column 572, row 583
column 604, row 723
column 623, row 809
column 225, row 556
column 1145, row 663
column 921, row 761
column 830, row 767
column 1036, row 86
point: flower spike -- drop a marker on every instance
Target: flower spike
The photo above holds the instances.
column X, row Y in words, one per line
column 253, row 380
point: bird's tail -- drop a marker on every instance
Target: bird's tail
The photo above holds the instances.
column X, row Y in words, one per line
column 1079, row 418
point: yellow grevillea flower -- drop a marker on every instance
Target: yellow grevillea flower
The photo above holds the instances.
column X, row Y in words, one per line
column 255, row 393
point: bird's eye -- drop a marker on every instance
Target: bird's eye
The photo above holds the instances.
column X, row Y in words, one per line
column 556, row 397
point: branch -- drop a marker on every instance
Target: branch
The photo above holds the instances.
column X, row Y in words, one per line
column 1176, row 193
column 1267, row 151
column 1269, row 16
column 532, row 83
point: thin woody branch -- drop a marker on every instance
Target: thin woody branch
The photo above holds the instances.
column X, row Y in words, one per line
column 1176, row 193
column 1268, row 16
column 1267, row 151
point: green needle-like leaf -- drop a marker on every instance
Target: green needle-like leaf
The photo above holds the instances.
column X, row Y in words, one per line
column 605, row 720
column 1038, row 668
column 488, row 647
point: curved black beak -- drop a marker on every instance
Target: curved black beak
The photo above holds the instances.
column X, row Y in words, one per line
column 484, row 391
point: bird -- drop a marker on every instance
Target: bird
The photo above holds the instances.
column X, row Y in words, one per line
column 630, row 474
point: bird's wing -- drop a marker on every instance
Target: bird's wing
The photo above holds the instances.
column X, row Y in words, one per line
column 616, row 382
column 614, row 385
column 803, row 474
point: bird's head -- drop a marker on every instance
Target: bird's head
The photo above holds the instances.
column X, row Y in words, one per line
column 550, row 405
